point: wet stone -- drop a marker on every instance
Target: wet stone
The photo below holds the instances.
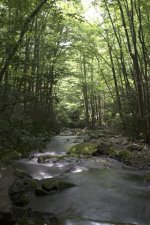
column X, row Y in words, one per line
column 40, row 192
column 54, row 185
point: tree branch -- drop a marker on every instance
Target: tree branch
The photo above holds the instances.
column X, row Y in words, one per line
column 22, row 33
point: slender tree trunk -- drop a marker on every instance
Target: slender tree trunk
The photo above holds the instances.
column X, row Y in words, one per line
column 85, row 94
column 22, row 33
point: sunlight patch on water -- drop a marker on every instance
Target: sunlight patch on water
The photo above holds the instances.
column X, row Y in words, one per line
column 48, row 164
column 79, row 169
column 32, row 161
column 93, row 223
column 41, row 175
column 45, row 153
column 60, row 165
column 86, row 223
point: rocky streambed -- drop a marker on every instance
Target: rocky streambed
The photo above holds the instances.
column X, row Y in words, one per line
column 60, row 189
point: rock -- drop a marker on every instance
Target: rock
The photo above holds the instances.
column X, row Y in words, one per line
column 83, row 149
column 20, row 190
column 22, row 201
column 40, row 159
column 146, row 147
column 102, row 148
column 125, row 141
column 16, row 191
column 21, row 173
column 21, row 186
column 123, row 155
column 50, row 186
column 54, row 185
column 29, row 183
column 47, row 158
column 135, row 147
column 31, row 157
column 40, row 192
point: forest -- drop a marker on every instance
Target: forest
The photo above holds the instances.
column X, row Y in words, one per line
column 60, row 69
column 80, row 68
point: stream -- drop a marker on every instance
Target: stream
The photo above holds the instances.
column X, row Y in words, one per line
column 107, row 192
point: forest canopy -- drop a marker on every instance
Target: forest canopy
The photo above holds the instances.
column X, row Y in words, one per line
column 73, row 64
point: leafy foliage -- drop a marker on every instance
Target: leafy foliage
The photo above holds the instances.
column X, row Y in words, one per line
column 59, row 69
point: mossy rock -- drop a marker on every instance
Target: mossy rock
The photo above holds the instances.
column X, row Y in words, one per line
column 45, row 158
column 102, row 147
column 40, row 192
column 29, row 183
column 21, row 174
column 122, row 155
column 112, row 152
column 21, row 186
column 23, row 201
column 55, row 185
column 125, row 155
column 83, row 149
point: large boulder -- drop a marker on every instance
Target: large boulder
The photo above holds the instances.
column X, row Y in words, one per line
column 47, row 158
column 83, row 149
column 19, row 191
column 22, row 200
column 52, row 186
column 18, row 195
column 102, row 147
column 123, row 155
column 135, row 147
column 40, row 191
column 55, row 185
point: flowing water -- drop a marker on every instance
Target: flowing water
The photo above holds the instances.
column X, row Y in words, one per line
column 106, row 190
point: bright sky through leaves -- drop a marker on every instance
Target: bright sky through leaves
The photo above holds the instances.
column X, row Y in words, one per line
column 92, row 13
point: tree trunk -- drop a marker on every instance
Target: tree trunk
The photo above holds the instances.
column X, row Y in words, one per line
column 22, row 33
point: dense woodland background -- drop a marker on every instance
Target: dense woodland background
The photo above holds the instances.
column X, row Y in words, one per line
column 57, row 69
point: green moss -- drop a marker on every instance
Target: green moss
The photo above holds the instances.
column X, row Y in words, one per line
column 21, row 173
column 112, row 152
column 52, row 185
column 125, row 155
column 84, row 149
column 122, row 155
column 40, row 192
column 29, row 183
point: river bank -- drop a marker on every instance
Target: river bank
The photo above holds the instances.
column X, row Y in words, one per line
column 102, row 186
